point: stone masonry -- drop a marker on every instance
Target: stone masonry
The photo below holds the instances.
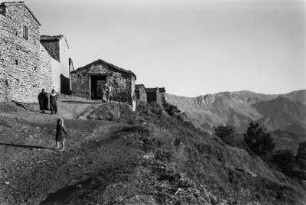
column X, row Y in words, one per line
column 58, row 49
column 19, row 54
column 155, row 95
column 84, row 79
column 141, row 94
column 25, row 65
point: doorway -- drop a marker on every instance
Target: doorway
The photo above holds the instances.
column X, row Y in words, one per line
column 97, row 86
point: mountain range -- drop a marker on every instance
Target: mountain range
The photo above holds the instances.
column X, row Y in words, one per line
column 284, row 115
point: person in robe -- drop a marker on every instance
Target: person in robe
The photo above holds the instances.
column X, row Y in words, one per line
column 43, row 101
column 53, row 102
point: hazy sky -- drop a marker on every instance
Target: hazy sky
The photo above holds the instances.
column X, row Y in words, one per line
column 192, row 47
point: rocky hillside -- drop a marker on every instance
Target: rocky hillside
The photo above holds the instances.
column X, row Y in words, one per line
column 239, row 108
column 115, row 156
column 286, row 112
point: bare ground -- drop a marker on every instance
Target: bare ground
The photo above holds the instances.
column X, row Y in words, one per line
column 114, row 156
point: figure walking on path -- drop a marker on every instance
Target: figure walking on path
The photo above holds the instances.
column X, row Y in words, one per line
column 43, row 101
column 53, row 102
column 60, row 140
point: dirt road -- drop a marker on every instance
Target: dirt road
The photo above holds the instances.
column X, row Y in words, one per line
column 30, row 168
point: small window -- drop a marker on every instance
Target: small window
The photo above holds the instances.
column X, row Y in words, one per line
column 25, row 32
column 2, row 10
column 16, row 62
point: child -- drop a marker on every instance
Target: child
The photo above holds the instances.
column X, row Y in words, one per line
column 60, row 128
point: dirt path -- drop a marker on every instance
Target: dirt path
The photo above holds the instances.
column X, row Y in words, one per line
column 30, row 168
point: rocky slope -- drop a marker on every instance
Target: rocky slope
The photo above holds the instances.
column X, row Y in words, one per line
column 286, row 112
column 115, row 156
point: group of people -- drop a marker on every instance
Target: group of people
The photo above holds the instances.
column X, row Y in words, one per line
column 107, row 93
column 43, row 100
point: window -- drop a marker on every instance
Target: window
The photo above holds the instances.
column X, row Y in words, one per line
column 3, row 10
column 16, row 62
column 25, row 32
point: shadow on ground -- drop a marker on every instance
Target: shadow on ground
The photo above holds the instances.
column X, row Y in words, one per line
column 25, row 146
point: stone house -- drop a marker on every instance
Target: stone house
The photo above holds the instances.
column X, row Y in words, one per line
column 58, row 49
column 26, row 66
column 141, row 94
column 155, row 95
column 89, row 81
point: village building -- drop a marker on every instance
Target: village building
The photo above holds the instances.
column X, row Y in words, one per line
column 28, row 62
column 90, row 80
column 155, row 95
column 58, row 49
column 141, row 94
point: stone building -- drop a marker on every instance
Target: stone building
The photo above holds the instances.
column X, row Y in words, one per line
column 58, row 49
column 155, row 95
column 25, row 64
column 141, row 94
column 89, row 81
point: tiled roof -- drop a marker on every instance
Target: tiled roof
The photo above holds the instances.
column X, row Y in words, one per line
column 45, row 38
column 104, row 63
column 50, row 38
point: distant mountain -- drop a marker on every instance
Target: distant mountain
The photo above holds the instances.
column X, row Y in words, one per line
column 276, row 112
column 282, row 113
column 298, row 96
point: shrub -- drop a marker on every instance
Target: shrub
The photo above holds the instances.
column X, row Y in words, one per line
column 284, row 159
column 226, row 134
column 258, row 140
column 301, row 155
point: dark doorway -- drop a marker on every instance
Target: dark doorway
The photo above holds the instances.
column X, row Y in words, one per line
column 97, row 86
column 65, row 85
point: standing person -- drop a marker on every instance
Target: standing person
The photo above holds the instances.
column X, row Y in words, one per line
column 53, row 102
column 106, row 92
column 103, row 94
column 59, row 138
column 43, row 101
column 110, row 92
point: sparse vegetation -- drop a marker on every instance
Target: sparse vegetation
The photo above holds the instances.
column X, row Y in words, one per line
column 147, row 157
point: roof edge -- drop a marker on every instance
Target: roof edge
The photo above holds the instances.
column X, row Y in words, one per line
column 104, row 62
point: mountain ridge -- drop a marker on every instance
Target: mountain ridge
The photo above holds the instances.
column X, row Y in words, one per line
column 285, row 112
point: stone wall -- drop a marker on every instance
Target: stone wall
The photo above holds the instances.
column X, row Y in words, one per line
column 155, row 95
column 50, row 71
column 19, row 58
column 25, row 65
column 141, row 94
column 53, row 49
column 123, row 83
column 58, row 49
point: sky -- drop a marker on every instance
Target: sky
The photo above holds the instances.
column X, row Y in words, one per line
column 190, row 47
